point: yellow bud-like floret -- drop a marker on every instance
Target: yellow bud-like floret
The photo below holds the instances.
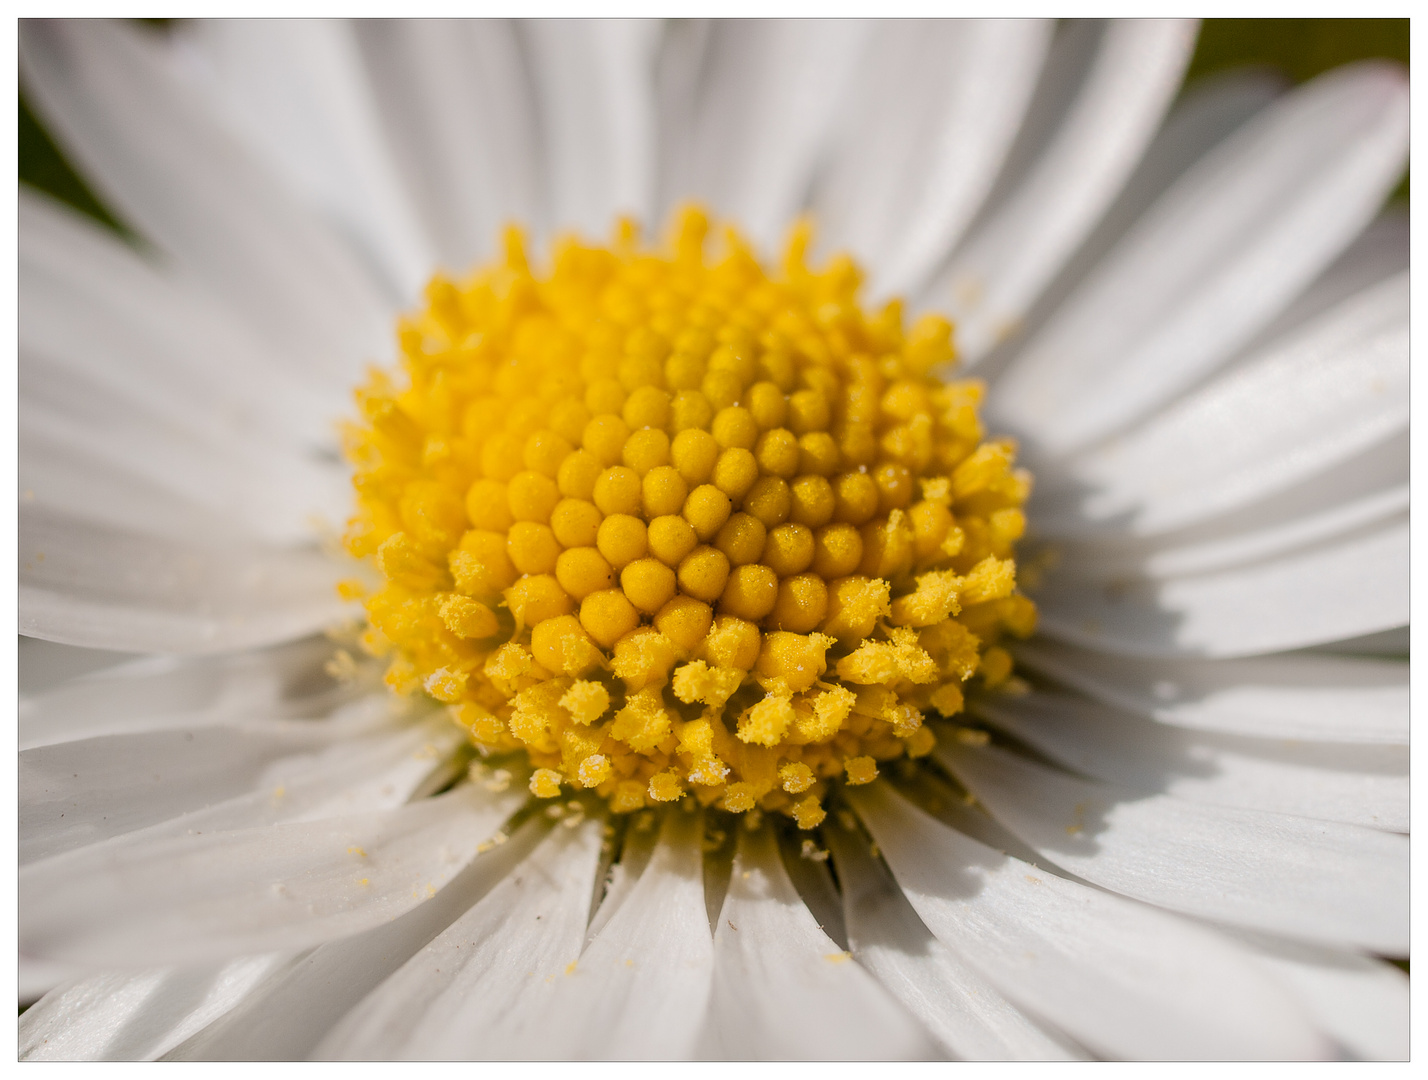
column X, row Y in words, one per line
column 668, row 523
column 861, row 770
column 467, row 618
column 766, row 722
column 795, row 777
column 809, row 813
column 545, row 783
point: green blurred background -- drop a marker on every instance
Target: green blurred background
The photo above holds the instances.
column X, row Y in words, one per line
column 1300, row 48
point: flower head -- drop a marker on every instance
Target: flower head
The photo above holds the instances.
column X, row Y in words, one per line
column 699, row 550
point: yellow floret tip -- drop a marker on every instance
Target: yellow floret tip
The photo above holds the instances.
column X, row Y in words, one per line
column 668, row 523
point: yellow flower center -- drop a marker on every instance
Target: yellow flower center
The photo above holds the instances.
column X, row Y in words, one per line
column 671, row 525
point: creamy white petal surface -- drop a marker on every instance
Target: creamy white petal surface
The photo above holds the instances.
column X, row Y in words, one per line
column 931, row 116
column 782, row 987
column 1361, row 785
column 1293, row 696
column 172, row 174
column 962, row 1010
column 1317, row 880
column 1219, row 254
column 185, row 899
column 995, row 278
column 640, row 989
column 290, row 1013
column 483, row 987
column 163, row 692
column 1340, row 386
column 1124, row 979
column 1193, row 314
column 1343, row 588
column 135, row 1017
column 79, row 793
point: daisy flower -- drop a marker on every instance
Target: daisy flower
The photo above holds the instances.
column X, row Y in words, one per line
column 693, row 677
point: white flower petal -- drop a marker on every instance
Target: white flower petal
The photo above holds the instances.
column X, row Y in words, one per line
column 1311, row 697
column 163, row 693
column 1182, row 554
column 459, row 112
column 296, row 92
column 934, row 108
column 1124, row 979
column 44, row 665
column 184, row 899
column 1013, row 254
column 635, row 851
column 963, row 1011
column 289, row 1014
column 594, row 82
column 248, row 491
column 1348, row 586
column 1376, row 254
column 481, row 989
column 155, row 154
column 1204, row 114
column 1338, row 387
column 83, row 583
column 639, row 991
column 770, row 96
column 1361, row 1002
column 783, row 990
column 1360, row 785
column 176, row 340
column 184, row 781
column 135, row 1017
column 1217, row 257
column 1317, row 880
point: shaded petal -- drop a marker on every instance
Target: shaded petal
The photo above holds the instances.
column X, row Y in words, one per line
column 482, row 988
column 1314, row 697
column 88, row 584
column 289, row 1014
column 459, row 111
column 962, row 1010
column 184, row 899
column 295, row 91
column 153, row 328
column 1205, row 113
column 1011, row 255
column 935, row 106
column 640, row 989
column 1319, row 880
column 135, row 1017
column 594, row 82
column 1361, row 1002
column 769, row 99
column 166, row 692
column 624, row 874
column 1360, row 785
column 1348, row 586
column 1219, row 255
column 782, row 988
column 1338, row 387
column 1124, row 979
column 206, row 486
column 156, row 155
column 80, row 793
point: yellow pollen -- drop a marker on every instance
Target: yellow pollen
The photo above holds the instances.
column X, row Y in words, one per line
column 673, row 526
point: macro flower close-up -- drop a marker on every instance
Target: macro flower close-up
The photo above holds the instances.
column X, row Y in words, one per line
column 711, row 540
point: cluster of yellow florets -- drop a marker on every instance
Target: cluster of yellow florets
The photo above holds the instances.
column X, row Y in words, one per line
column 672, row 526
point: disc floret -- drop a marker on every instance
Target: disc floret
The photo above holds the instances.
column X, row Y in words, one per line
column 671, row 525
